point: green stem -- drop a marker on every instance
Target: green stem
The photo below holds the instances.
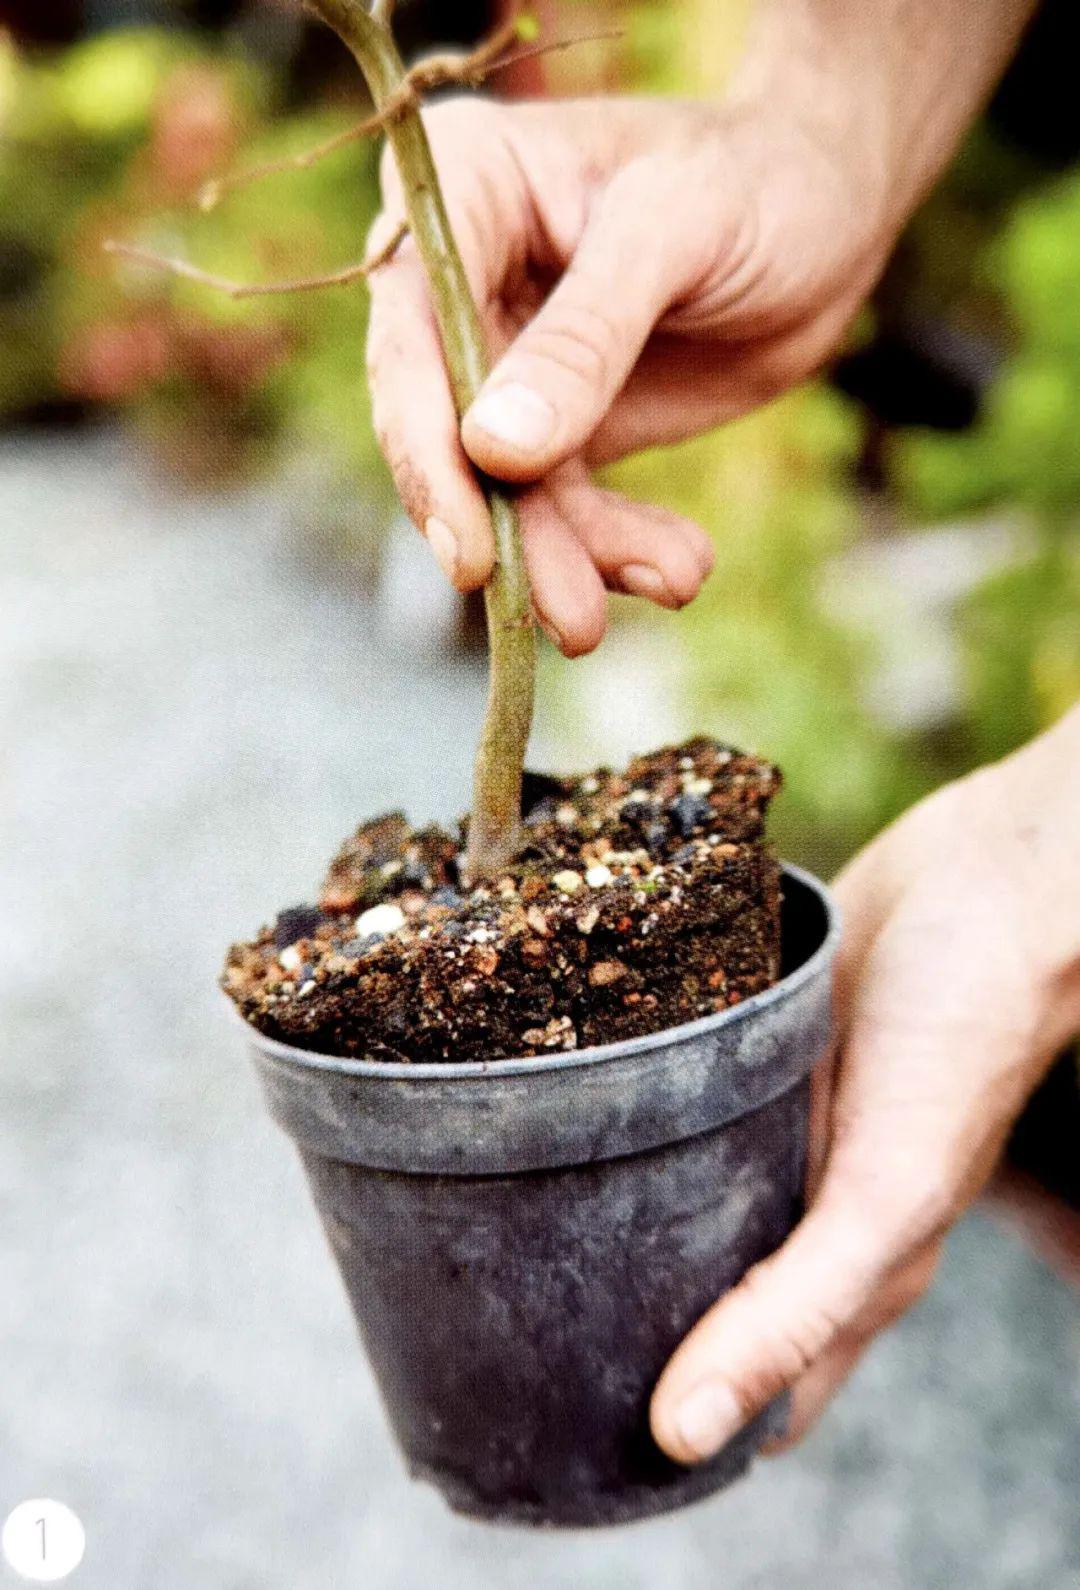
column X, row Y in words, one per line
column 496, row 809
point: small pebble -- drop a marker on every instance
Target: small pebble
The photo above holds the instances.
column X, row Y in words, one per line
column 543, row 812
column 638, row 811
column 599, row 876
column 353, row 948
column 698, row 786
column 379, row 919
column 414, row 874
column 566, row 816
column 306, row 988
column 605, row 972
column 298, row 922
column 568, row 882
column 447, row 896
column 290, row 959
column 656, row 837
column 689, row 812
column 590, row 785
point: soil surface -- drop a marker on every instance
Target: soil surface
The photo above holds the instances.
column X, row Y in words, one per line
column 637, row 900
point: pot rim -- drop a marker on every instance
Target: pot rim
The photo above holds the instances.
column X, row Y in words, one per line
column 567, row 1060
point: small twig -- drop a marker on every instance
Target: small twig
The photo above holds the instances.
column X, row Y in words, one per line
column 222, row 284
column 556, row 46
column 437, row 71
column 440, row 71
column 212, row 192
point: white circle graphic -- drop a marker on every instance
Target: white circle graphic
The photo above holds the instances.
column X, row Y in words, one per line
column 43, row 1540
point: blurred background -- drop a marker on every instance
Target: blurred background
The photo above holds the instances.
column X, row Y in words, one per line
column 223, row 648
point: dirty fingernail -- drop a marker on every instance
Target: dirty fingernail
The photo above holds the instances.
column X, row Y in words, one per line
column 638, row 579
column 443, row 543
column 514, row 414
column 707, row 1418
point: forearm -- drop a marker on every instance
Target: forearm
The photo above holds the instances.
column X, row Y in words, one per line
column 896, row 82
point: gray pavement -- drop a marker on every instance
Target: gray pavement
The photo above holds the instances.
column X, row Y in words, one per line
column 195, row 710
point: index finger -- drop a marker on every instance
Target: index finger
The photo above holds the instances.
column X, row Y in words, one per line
column 413, row 407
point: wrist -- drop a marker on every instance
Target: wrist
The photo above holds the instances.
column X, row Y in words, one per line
column 886, row 86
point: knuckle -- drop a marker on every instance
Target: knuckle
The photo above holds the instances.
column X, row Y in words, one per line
column 784, row 1348
column 583, row 342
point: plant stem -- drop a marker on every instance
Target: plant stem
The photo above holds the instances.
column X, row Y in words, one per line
column 496, row 808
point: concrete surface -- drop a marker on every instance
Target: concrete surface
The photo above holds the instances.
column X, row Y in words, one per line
column 194, row 712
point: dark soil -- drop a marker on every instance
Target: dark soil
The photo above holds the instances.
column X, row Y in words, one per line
column 637, row 901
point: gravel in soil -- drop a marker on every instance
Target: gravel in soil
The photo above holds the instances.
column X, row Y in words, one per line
column 637, row 900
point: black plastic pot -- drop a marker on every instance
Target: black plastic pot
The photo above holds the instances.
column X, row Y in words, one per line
column 525, row 1242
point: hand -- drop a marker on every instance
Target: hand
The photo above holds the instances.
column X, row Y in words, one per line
column 958, row 980
column 702, row 264
column 648, row 269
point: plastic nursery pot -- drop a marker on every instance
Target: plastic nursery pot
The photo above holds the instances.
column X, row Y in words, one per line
column 525, row 1242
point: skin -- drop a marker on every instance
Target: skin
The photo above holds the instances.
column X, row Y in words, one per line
column 958, row 982
column 648, row 270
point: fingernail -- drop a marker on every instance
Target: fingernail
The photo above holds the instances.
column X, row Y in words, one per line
column 707, row 1418
column 443, row 542
column 514, row 414
column 638, row 579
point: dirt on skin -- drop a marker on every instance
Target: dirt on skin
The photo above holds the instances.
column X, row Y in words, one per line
column 637, row 900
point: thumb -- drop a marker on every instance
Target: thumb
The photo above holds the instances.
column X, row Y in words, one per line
column 555, row 383
column 760, row 1338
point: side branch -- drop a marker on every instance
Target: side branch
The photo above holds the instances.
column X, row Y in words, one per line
column 212, row 192
column 436, row 71
column 222, row 284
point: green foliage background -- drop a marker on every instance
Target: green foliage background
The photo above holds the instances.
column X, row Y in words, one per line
column 765, row 657
column 72, row 172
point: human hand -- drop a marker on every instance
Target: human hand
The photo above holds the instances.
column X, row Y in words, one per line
column 648, row 269
column 958, row 979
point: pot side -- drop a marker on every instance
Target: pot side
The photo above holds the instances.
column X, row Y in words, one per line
column 525, row 1242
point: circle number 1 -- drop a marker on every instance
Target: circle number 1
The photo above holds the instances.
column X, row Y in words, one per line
column 43, row 1540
